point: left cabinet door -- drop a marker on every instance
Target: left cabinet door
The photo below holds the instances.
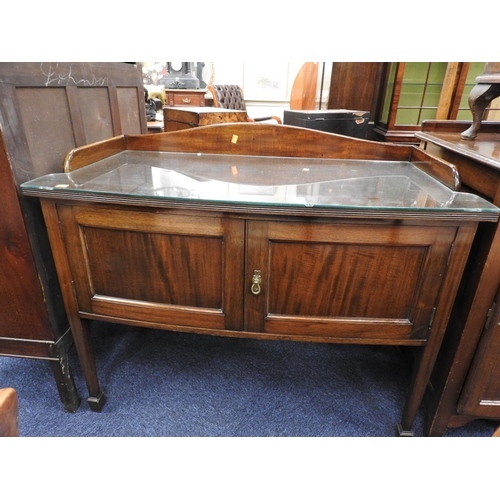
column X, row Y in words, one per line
column 154, row 266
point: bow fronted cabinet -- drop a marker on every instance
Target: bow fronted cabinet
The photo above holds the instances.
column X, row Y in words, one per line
column 261, row 231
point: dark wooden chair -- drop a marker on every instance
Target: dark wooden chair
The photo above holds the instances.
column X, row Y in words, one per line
column 231, row 97
column 9, row 413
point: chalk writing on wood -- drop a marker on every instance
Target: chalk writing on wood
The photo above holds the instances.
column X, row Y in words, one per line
column 61, row 74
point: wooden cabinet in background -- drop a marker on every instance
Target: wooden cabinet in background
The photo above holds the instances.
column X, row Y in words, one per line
column 357, row 85
column 46, row 109
column 185, row 97
column 466, row 382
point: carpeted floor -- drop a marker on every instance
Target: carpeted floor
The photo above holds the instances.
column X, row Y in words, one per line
column 176, row 384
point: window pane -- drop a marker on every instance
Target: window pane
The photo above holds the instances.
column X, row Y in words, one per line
column 406, row 116
column 421, row 88
column 427, row 114
column 411, row 95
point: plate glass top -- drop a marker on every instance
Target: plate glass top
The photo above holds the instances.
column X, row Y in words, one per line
column 309, row 182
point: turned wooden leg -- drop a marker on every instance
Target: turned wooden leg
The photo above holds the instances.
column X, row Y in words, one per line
column 479, row 98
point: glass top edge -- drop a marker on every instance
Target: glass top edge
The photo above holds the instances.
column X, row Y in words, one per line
column 275, row 181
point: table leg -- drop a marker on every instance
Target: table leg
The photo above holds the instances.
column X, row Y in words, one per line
column 65, row 383
column 81, row 336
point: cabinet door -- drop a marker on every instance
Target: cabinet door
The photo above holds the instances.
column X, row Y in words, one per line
column 153, row 266
column 481, row 393
column 345, row 281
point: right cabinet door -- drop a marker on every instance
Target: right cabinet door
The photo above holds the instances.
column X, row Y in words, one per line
column 345, row 281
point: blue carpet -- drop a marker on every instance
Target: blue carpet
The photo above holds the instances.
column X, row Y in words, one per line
column 176, row 384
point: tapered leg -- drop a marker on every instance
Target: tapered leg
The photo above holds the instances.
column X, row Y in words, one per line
column 79, row 327
column 81, row 336
column 424, row 361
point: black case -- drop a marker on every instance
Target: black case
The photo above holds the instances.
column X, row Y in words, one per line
column 339, row 121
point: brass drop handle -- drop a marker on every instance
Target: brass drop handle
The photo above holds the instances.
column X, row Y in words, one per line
column 256, row 281
column 186, row 100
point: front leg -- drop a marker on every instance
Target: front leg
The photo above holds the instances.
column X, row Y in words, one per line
column 81, row 335
column 479, row 98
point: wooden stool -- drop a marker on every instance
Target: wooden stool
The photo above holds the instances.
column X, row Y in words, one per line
column 486, row 89
column 9, row 413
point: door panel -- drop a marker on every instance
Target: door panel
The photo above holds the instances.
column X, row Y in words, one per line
column 481, row 393
column 377, row 282
column 153, row 266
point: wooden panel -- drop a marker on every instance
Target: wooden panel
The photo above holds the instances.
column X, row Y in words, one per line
column 96, row 113
column 267, row 140
column 128, row 104
column 347, row 281
column 47, row 124
column 481, row 392
column 356, row 85
column 347, row 271
column 176, row 269
column 138, row 259
column 17, row 268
